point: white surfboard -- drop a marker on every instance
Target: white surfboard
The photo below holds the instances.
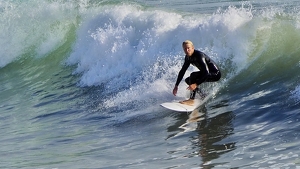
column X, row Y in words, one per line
column 176, row 106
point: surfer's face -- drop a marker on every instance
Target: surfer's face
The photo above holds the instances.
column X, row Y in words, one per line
column 188, row 49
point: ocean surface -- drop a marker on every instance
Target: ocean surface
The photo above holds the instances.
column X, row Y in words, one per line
column 81, row 83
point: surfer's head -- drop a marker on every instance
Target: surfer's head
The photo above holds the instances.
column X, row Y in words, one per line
column 188, row 47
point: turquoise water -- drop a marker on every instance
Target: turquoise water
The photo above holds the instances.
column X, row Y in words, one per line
column 81, row 83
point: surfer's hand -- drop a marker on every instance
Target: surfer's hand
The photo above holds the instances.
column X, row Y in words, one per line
column 192, row 86
column 175, row 90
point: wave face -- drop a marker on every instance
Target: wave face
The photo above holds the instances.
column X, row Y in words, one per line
column 77, row 69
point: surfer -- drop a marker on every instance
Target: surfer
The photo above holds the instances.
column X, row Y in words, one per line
column 208, row 70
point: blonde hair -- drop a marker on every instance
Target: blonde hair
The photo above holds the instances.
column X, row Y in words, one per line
column 187, row 42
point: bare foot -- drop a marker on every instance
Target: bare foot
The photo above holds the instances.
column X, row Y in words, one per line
column 189, row 102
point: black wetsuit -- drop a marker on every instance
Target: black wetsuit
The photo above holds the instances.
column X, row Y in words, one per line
column 209, row 71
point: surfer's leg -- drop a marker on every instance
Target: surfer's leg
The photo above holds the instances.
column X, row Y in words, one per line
column 214, row 76
column 193, row 93
column 192, row 80
column 189, row 81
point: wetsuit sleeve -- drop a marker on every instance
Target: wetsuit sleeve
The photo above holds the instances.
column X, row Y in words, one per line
column 182, row 71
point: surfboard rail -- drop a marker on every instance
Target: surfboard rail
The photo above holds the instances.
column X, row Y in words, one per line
column 176, row 106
